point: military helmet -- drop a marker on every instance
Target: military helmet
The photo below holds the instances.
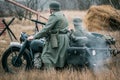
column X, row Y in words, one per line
column 77, row 21
column 55, row 5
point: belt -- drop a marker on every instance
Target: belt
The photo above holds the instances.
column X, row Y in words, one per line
column 63, row 32
column 60, row 32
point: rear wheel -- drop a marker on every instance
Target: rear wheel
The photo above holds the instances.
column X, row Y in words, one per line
column 9, row 57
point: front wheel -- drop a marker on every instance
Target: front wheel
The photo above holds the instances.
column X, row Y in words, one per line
column 8, row 60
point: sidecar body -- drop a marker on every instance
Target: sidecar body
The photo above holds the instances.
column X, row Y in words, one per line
column 95, row 49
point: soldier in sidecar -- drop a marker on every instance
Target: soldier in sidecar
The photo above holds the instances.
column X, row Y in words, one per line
column 87, row 48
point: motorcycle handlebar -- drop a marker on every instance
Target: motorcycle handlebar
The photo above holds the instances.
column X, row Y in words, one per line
column 36, row 21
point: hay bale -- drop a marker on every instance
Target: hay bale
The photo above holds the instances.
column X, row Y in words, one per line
column 103, row 17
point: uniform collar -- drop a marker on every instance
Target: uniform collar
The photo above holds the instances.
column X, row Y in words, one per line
column 55, row 12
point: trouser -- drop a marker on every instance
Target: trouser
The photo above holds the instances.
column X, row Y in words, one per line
column 36, row 46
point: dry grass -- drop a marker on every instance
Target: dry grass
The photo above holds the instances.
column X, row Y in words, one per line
column 69, row 74
column 102, row 17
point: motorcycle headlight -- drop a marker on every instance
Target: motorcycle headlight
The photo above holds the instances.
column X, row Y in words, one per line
column 23, row 36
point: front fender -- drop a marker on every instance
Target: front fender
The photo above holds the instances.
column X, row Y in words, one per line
column 15, row 44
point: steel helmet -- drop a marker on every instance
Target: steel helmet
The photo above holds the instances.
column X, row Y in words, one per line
column 55, row 5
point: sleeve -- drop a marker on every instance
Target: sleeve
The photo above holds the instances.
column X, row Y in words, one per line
column 51, row 23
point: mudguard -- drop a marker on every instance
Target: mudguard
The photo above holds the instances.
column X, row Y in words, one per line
column 15, row 44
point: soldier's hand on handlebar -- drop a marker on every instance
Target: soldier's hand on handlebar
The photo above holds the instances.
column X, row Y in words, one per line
column 30, row 38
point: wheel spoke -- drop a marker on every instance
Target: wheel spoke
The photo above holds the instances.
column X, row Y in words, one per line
column 15, row 53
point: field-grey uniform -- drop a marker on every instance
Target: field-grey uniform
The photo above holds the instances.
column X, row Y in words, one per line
column 57, row 27
column 78, row 36
column 79, row 29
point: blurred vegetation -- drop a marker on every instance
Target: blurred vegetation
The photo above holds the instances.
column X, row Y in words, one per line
column 7, row 9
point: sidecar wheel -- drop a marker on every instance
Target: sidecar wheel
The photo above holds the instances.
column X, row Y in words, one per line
column 7, row 60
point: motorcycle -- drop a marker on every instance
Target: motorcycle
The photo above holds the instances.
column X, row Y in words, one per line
column 80, row 56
